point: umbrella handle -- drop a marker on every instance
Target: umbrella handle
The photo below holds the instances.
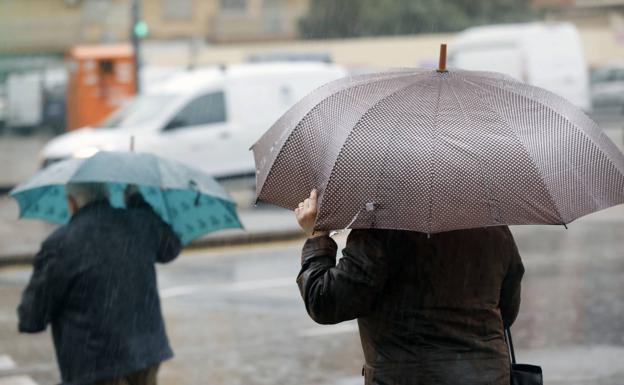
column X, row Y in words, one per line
column 442, row 64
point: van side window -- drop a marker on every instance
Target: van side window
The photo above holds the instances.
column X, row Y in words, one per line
column 206, row 109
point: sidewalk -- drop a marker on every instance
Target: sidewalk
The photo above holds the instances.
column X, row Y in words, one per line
column 20, row 239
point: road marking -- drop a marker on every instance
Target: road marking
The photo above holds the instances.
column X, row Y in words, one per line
column 259, row 248
column 178, row 291
column 8, row 317
column 352, row 380
column 329, row 330
column 17, row 380
column 273, row 283
column 6, row 362
column 261, row 284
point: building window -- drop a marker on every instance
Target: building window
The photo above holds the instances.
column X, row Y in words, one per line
column 273, row 23
column 234, row 5
column 271, row 5
column 176, row 9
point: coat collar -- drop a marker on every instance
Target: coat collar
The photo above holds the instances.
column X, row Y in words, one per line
column 97, row 205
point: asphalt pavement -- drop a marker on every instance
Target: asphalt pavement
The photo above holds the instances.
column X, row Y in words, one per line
column 234, row 314
column 235, row 317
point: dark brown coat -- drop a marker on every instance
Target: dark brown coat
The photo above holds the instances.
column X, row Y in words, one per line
column 430, row 309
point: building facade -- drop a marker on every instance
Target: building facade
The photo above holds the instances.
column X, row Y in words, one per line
column 28, row 26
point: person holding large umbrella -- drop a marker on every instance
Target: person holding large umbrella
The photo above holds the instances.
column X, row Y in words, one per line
column 428, row 168
column 94, row 279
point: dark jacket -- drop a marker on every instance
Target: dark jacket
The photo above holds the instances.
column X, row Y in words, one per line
column 94, row 281
column 430, row 310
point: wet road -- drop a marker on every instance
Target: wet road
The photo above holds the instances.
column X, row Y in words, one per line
column 234, row 316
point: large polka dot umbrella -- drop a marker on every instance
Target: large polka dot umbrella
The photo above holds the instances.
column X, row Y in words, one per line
column 438, row 150
column 192, row 202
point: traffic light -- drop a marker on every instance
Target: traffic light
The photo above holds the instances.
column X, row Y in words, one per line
column 140, row 29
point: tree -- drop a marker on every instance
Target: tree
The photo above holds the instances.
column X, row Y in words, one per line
column 349, row 18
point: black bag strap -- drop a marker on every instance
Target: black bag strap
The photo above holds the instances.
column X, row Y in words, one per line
column 510, row 347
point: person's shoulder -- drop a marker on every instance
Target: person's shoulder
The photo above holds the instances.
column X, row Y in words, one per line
column 382, row 235
column 501, row 232
column 481, row 232
column 57, row 236
column 94, row 212
column 143, row 213
column 142, row 218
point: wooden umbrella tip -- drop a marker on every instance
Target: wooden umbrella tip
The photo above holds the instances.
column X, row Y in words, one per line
column 442, row 65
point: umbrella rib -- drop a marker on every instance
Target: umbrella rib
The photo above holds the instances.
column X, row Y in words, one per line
column 554, row 111
column 491, row 108
column 433, row 150
column 377, row 103
column 316, row 106
column 55, row 185
column 486, row 178
column 161, row 189
column 387, row 148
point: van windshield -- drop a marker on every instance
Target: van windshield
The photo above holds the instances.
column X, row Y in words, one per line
column 138, row 111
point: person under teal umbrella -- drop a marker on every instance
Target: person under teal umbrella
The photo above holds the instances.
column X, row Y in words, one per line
column 94, row 279
column 94, row 283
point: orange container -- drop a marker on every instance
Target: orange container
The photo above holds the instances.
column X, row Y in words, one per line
column 101, row 79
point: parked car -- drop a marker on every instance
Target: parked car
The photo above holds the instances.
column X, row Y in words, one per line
column 206, row 118
column 24, row 101
column 607, row 86
column 547, row 55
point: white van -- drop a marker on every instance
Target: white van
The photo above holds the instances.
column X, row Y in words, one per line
column 547, row 55
column 205, row 118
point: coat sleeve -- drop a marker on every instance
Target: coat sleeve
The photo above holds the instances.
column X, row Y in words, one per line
column 169, row 245
column 41, row 296
column 510, row 291
column 335, row 293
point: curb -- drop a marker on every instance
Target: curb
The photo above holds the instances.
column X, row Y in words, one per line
column 246, row 239
column 15, row 260
column 201, row 243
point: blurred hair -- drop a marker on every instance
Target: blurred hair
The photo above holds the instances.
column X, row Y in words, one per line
column 85, row 193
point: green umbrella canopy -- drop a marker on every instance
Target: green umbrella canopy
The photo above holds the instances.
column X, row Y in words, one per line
column 192, row 202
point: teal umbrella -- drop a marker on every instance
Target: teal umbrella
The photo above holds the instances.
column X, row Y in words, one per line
column 192, row 202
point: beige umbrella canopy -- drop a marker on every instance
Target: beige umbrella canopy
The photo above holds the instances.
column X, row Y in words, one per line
column 438, row 150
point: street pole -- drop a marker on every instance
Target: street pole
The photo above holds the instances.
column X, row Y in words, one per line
column 136, row 42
